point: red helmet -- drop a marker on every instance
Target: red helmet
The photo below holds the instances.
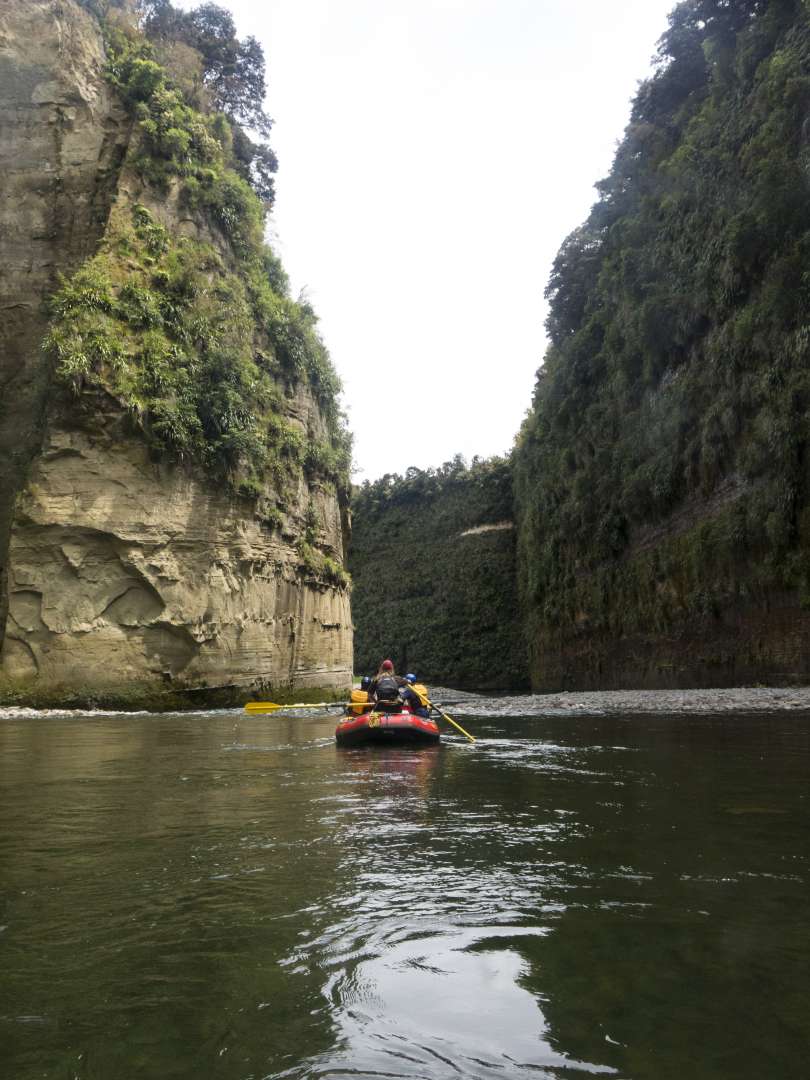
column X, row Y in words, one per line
column 387, row 665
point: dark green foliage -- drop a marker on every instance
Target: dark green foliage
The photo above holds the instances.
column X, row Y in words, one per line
column 142, row 320
column 215, row 160
column 676, row 386
column 439, row 603
column 319, row 567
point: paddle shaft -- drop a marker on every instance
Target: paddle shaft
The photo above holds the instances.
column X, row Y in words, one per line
column 270, row 706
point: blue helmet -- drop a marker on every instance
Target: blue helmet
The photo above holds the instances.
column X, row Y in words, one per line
column 365, row 682
column 410, row 677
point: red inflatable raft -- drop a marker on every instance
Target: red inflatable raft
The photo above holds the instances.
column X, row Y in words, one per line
column 401, row 728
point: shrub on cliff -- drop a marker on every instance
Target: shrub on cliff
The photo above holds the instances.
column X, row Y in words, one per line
column 197, row 339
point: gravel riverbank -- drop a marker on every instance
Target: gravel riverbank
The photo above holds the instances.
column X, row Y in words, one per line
column 758, row 699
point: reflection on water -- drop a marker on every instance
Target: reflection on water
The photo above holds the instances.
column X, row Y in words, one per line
column 223, row 896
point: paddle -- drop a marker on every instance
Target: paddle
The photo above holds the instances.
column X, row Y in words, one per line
column 270, row 706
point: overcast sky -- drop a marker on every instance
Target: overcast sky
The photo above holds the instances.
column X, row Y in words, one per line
column 433, row 156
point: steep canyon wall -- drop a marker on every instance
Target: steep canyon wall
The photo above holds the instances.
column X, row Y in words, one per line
column 126, row 572
column 435, row 588
column 62, row 140
column 130, row 570
column 661, row 477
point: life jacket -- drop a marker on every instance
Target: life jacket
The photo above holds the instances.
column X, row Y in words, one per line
column 387, row 688
column 421, row 692
column 359, row 696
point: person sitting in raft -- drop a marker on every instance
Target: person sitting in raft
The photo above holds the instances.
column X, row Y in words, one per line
column 360, row 698
column 415, row 696
column 386, row 683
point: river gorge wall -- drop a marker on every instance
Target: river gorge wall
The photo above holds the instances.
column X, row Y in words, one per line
column 171, row 516
column 435, row 586
column 661, row 476
column 127, row 574
column 661, row 490
column 63, row 137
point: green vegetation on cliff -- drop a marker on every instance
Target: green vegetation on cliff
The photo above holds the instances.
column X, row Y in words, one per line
column 661, row 474
column 432, row 588
column 193, row 331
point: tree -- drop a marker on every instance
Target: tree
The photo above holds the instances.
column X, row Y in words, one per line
column 234, row 73
column 233, row 70
column 257, row 163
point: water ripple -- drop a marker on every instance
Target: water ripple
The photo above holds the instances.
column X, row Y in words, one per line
column 228, row 896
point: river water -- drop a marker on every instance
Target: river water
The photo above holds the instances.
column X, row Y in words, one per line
column 218, row 896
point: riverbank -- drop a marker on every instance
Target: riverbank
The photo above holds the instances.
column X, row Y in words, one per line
column 146, row 697
column 759, row 699
column 711, row 702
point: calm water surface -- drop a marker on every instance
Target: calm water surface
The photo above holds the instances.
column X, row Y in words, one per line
column 215, row 896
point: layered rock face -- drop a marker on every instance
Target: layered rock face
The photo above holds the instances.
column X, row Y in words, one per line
column 124, row 572
column 62, row 140
column 127, row 577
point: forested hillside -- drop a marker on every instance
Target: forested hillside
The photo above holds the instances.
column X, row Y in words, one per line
column 662, row 474
column 433, row 563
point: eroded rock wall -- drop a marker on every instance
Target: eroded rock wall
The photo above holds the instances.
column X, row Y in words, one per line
column 129, row 576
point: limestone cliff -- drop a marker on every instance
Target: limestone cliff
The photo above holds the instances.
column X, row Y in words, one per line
column 62, row 141
column 131, row 565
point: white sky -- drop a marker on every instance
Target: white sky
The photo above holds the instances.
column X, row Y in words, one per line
column 433, row 156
